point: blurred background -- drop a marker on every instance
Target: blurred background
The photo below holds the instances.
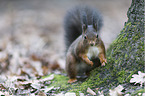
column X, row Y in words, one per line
column 31, row 32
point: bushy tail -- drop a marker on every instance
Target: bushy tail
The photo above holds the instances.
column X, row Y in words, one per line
column 74, row 19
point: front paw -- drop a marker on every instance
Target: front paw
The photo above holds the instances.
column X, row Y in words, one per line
column 91, row 63
column 72, row 80
column 105, row 61
column 103, row 64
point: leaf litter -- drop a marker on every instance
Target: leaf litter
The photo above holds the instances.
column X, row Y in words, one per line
column 26, row 55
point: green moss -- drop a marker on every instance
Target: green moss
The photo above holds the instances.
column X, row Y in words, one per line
column 121, row 76
column 130, row 76
column 59, row 82
column 138, row 92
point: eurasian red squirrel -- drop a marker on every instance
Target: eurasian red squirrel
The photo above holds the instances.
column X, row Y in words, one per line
column 85, row 49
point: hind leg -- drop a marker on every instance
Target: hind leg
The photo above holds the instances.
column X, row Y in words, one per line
column 87, row 73
column 71, row 68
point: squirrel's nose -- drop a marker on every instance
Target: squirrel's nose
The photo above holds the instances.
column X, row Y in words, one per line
column 92, row 44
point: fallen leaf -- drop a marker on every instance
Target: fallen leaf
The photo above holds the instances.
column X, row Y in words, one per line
column 127, row 95
column 55, row 66
column 100, row 93
column 48, row 89
column 1, row 93
column 91, row 91
column 3, row 56
column 45, row 70
column 140, row 78
column 143, row 94
column 6, row 94
column 25, row 82
column 32, row 94
column 10, row 82
column 60, row 94
column 82, row 94
column 41, row 93
column 70, row 94
column 51, row 77
column 37, row 66
column 116, row 91
column 3, row 78
column 36, row 85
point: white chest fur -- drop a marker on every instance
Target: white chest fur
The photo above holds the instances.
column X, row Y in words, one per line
column 93, row 52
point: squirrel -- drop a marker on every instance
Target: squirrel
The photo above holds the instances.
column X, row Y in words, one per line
column 84, row 48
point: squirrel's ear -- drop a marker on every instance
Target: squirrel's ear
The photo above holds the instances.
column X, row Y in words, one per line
column 94, row 24
column 84, row 22
column 84, row 28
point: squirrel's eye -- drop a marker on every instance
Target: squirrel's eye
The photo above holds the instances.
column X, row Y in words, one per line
column 85, row 37
column 97, row 36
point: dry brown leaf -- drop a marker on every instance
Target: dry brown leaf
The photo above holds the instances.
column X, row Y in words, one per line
column 41, row 93
column 3, row 56
column 55, row 66
column 45, row 70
